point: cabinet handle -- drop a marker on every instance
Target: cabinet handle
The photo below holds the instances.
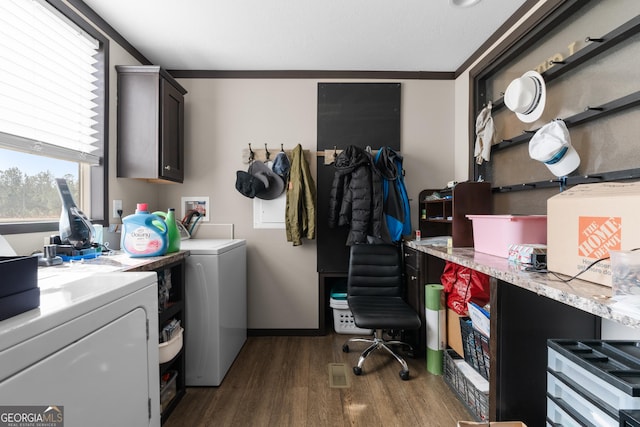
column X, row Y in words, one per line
column 414, row 278
column 168, row 168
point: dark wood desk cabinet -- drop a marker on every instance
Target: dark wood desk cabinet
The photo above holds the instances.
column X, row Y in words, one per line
column 521, row 323
column 420, row 270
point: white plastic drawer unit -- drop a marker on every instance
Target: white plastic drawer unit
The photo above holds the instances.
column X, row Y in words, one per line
column 567, row 406
column 589, row 381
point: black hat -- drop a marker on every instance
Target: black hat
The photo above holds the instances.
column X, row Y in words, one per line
column 248, row 184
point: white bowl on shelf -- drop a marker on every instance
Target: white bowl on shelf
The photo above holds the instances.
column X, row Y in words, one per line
column 168, row 350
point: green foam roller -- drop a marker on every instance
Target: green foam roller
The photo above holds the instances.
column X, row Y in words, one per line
column 435, row 327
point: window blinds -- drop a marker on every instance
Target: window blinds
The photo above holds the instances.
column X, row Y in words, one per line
column 47, row 83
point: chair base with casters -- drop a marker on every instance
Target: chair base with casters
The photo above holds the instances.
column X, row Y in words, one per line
column 375, row 289
column 375, row 343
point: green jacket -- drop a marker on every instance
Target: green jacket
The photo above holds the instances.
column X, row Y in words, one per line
column 300, row 216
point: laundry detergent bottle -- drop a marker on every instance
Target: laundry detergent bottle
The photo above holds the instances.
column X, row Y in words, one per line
column 144, row 234
column 173, row 234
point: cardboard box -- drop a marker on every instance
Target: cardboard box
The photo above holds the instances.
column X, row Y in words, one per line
column 454, row 336
column 588, row 220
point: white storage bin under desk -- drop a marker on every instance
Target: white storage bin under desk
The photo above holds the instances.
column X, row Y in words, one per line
column 343, row 319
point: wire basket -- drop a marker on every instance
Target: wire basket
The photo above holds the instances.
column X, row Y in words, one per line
column 474, row 399
column 475, row 346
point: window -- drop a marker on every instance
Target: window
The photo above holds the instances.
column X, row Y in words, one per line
column 52, row 114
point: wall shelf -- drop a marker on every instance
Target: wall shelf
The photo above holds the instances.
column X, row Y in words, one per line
column 447, row 216
column 590, row 113
column 596, row 47
column 621, row 175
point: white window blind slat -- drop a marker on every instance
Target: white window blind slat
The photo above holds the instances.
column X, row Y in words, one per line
column 47, row 83
column 26, row 145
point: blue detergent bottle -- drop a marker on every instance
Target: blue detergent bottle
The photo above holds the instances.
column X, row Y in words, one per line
column 144, row 234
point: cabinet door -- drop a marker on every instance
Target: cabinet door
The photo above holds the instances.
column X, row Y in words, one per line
column 415, row 297
column 524, row 321
column 172, row 135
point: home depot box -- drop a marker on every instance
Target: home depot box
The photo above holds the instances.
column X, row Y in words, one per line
column 587, row 221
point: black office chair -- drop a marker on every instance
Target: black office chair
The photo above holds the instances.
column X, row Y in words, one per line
column 375, row 296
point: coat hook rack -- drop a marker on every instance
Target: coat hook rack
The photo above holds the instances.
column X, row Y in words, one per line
column 264, row 154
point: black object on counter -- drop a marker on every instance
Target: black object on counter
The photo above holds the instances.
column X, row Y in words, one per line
column 19, row 290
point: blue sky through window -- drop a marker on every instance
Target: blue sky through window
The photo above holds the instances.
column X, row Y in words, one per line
column 32, row 165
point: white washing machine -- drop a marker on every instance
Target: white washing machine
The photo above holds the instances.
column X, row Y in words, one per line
column 89, row 353
column 216, row 308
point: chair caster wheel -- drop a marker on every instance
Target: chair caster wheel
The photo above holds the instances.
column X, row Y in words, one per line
column 404, row 375
column 357, row 370
column 345, row 348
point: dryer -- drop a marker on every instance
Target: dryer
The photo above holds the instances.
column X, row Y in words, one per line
column 89, row 352
column 216, row 308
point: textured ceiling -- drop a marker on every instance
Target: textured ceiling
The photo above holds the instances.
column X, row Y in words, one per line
column 345, row 35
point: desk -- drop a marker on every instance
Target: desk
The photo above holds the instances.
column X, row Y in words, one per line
column 527, row 309
column 583, row 295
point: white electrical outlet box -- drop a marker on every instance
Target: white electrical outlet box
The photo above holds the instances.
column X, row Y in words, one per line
column 117, row 206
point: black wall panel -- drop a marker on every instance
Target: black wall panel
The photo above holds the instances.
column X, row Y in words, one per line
column 360, row 114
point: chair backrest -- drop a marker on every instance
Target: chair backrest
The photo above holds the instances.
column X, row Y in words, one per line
column 375, row 270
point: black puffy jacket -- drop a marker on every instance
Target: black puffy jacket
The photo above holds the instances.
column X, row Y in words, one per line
column 356, row 197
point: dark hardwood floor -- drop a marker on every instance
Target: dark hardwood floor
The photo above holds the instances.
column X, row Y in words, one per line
column 284, row 381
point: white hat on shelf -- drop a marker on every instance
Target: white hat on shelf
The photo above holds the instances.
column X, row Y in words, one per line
column 526, row 96
column 551, row 145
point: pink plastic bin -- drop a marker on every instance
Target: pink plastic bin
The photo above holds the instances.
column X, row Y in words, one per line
column 493, row 234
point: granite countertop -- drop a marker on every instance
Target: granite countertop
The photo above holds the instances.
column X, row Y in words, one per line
column 587, row 296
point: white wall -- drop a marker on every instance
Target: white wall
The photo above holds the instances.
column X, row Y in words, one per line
column 224, row 115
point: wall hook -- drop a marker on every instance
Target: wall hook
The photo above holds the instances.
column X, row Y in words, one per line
column 589, row 39
column 266, row 152
column 282, row 147
column 252, row 155
column 558, row 62
column 335, row 151
column 587, row 108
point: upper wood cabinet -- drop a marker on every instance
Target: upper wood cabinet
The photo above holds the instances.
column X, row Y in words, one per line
column 150, row 124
